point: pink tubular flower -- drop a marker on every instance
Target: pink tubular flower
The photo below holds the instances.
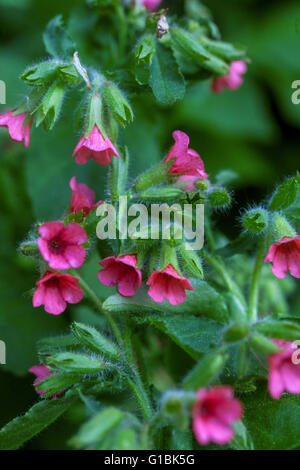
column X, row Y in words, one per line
column 95, row 146
column 188, row 161
column 168, row 284
column 41, row 372
column 285, row 256
column 15, row 124
column 83, row 198
column 60, row 244
column 233, row 80
column 122, row 271
column 55, row 290
column 151, row 4
column 284, row 372
column 214, row 412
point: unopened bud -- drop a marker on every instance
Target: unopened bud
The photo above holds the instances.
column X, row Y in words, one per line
column 256, row 220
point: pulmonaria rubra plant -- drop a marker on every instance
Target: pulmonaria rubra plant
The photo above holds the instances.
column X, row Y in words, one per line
column 175, row 342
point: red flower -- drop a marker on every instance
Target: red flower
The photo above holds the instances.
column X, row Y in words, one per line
column 285, row 256
column 284, row 373
column 83, row 198
column 41, row 372
column 122, row 271
column 168, row 284
column 188, row 161
column 233, row 80
column 214, row 412
column 60, row 244
column 16, row 128
column 95, row 146
column 55, row 290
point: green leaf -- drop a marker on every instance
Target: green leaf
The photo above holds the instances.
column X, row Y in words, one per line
column 96, row 428
column 204, row 300
column 166, row 80
column 273, row 424
column 193, row 334
column 57, row 41
column 286, row 194
column 242, row 439
column 279, row 329
column 41, row 415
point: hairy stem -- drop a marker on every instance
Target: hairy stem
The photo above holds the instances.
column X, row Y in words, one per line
column 136, row 383
column 254, row 292
column 216, row 263
column 95, row 299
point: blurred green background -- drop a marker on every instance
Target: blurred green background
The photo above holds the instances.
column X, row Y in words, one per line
column 254, row 131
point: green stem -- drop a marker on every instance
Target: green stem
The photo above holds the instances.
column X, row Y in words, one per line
column 254, row 292
column 98, row 304
column 218, row 265
column 137, row 384
column 141, row 396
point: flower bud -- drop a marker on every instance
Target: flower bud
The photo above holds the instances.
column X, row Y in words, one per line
column 191, row 261
column 164, row 193
column 118, row 105
column 236, row 332
column 190, row 45
column 219, row 197
column 29, row 248
column 93, row 339
column 155, row 175
column 177, row 405
column 262, row 345
column 48, row 111
column 206, row 369
column 282, row 228
column 202, row 184
column 224, row 50
column 256, row 220
column 76, row 363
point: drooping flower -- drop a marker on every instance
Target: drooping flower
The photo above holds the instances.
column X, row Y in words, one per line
column 95, row 146
column 17, row 129
column 285, row 256
column 188, row 161
column 41, row 372
column 168, row 284
column 151, row 4
column 83, row 198
column 233, row 80
column 55, row 290
column 214, row 412
column 122, row 271
column 284, row 372
column 60, row 244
